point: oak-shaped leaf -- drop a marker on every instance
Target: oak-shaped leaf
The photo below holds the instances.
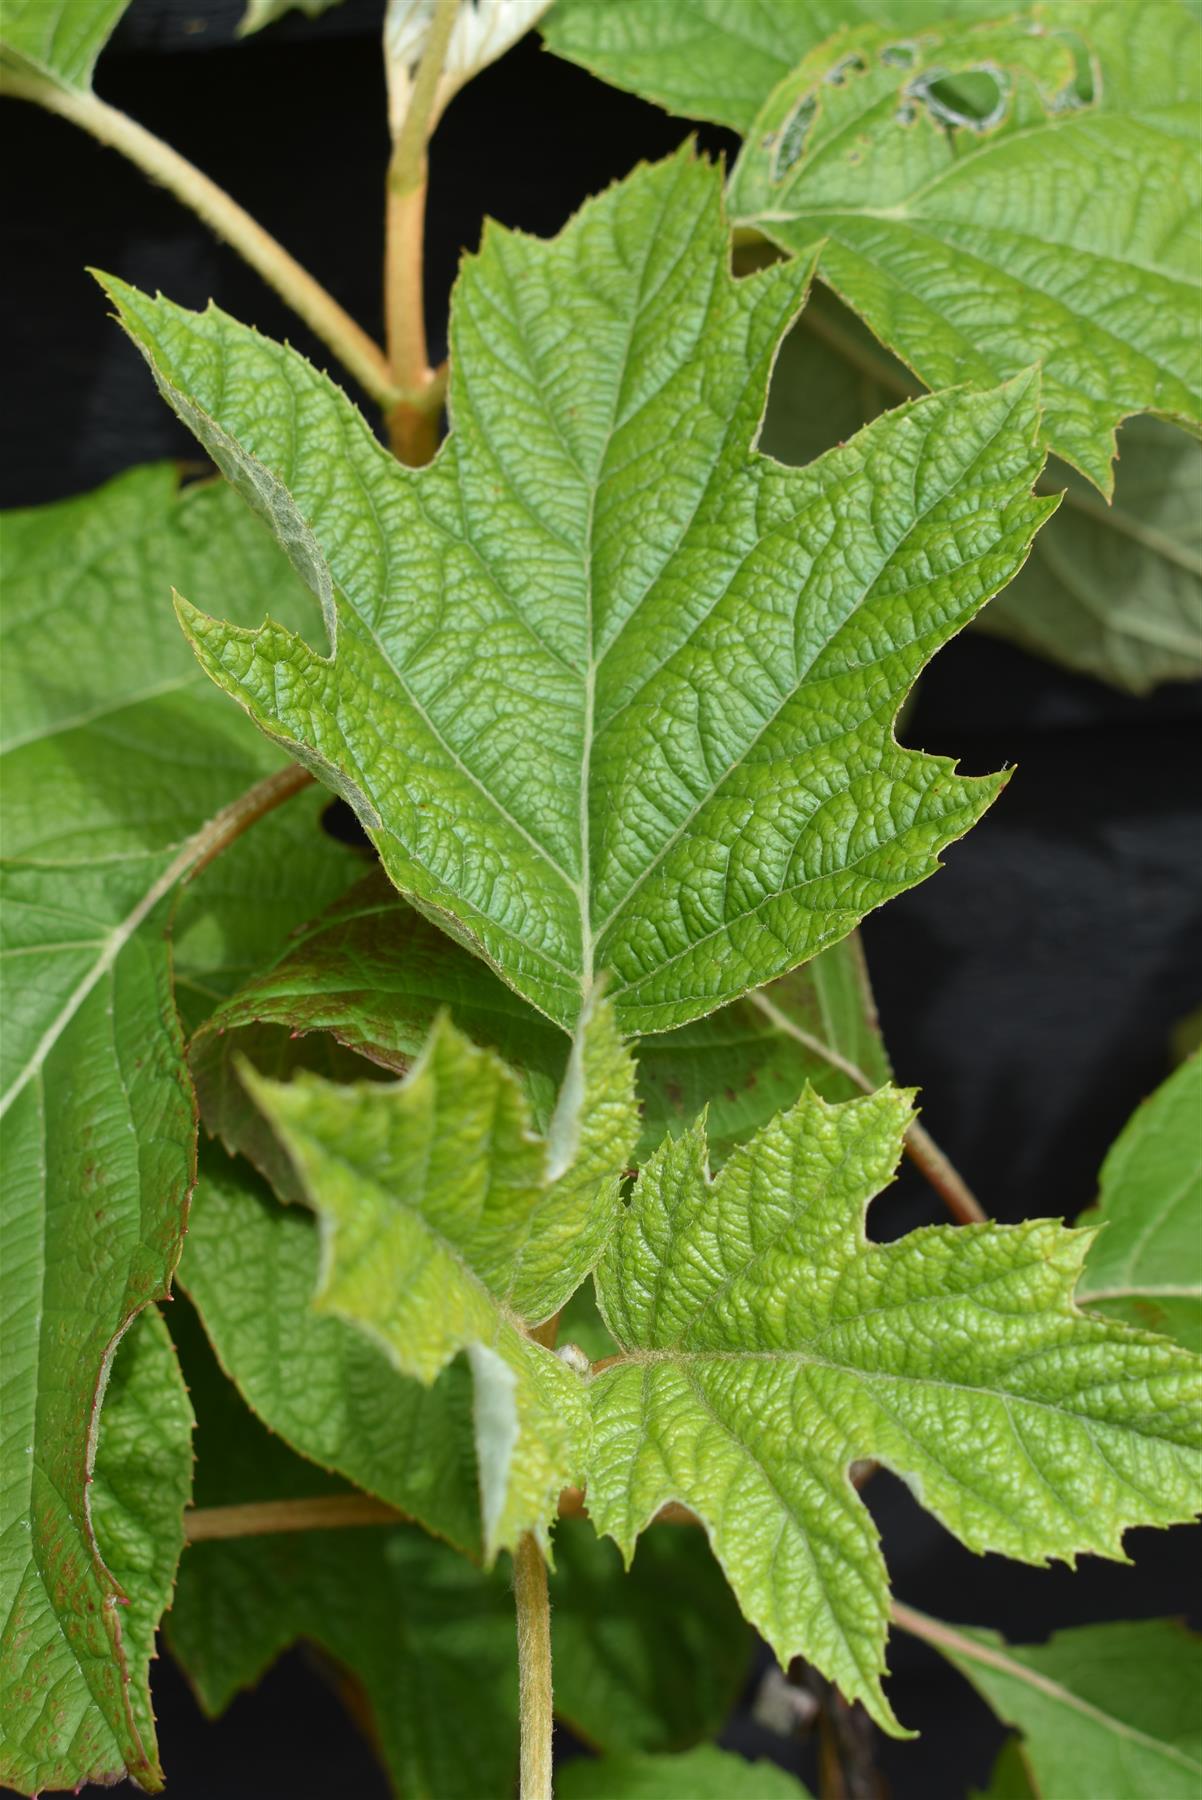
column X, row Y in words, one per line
column 450, row 1225
column 988, row 194
column 610, row 691
column 765, row 1345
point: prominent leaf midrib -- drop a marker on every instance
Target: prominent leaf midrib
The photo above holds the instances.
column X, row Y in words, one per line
column 80, row 721
column 804, row 1358
column 947, row 1638
column 745, row 1450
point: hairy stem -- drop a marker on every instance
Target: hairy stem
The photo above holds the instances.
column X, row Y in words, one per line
column 534, row 1668
column 413, row 416
column 921, row 1147
column 266, row 1518
column 323, row 315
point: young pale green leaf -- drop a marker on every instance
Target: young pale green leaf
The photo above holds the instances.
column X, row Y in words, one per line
column 1053, row 214
column 429, row 1638
column 1112, row 591
column 448, row 1224
column 252, row 1268
column 703, row 1774
column 1104, row 1709
column 610, row 691
column 719, row 59
column 766, row 1345
column 647, row 1658
column 1146, row 1265
column 141, row 1483
column 115, row 771
column 751, row 1060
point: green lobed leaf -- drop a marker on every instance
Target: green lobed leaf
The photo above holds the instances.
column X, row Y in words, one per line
column 702, row 1774
column 428, row 1638
column 141, row 1483
column 751, row 1060
column 252, row 1268
column 1054, row 218
column 448, row 1224
column 717, row 59
column 650, row 1658
column 1103, row 1709
column 1112, row 591
column 609, row 691
column 115, row 762
column 767, row 1346
column 1145, row 1266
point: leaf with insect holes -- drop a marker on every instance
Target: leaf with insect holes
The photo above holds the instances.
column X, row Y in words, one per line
column 448, row 1225
column 1145, row 1265
column 986, row 196
column 765, row 1345
column 718, row 59
column 114, row 765
column 609, row 691
column 1103, row 1709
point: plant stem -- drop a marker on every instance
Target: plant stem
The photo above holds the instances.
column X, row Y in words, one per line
column 534, row 1668
column 413, row 416
column 266, row 1518
column 921, row 1147
column 320, row 311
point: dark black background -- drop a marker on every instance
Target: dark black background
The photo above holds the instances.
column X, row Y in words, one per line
column 1031, row 988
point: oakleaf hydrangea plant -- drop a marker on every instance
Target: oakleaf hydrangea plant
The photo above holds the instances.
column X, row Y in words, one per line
column 529, row 1327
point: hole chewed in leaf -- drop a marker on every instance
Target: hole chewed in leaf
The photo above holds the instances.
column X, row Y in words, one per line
column 899, row 56
column 972, row 99
column 791, row 138
column 848, row 65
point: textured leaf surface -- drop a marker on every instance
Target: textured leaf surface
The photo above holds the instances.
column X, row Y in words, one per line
column 252, row 1268
column 650, row 1658
column 428, row 1637
column 769, row 1345
column 1146, row 1265
column 242, row 911
column 113, row 761
column 1038, row 223
column 58, row 40
column 608, row 690
column 718, row 59
column 374, row 974
column 448, row 1224
column 141, row 1483
column 1112, row 591
column 1104, row 1709
column 750, row 1060
column 703, row 1774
